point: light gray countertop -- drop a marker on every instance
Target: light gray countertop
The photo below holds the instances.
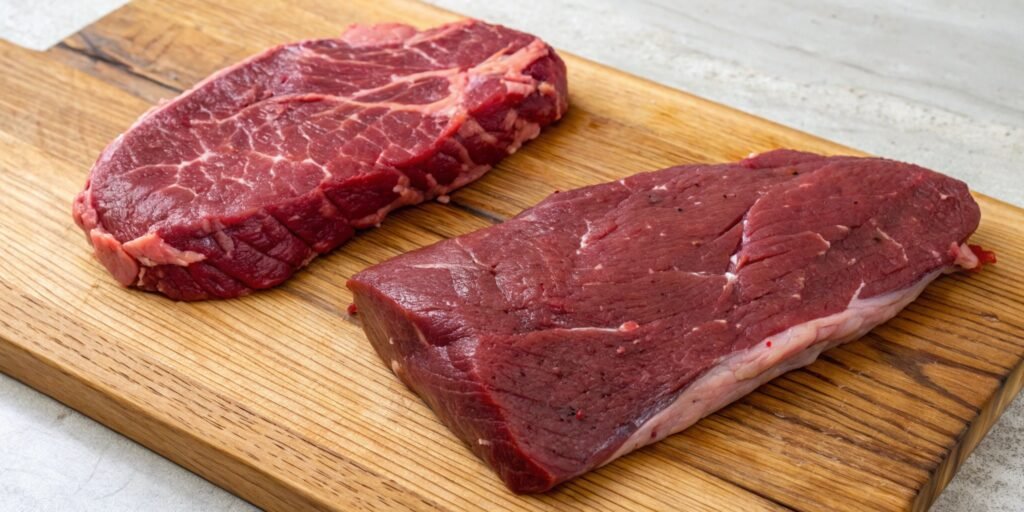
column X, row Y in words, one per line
column 929, row 81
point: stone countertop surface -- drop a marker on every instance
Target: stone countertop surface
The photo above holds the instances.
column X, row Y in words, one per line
column 933, row 82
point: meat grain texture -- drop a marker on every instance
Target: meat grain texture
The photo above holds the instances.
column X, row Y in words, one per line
column 242, row 180
column 608, row 317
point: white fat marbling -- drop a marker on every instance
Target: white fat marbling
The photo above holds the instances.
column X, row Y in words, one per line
column 928, row 81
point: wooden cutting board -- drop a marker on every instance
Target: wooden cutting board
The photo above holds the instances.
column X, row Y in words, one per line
column 279, row 398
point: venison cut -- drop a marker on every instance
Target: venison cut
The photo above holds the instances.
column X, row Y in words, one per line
column 242, row 180
column 609, row 317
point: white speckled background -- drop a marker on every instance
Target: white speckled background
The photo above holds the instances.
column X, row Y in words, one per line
column 935, row 82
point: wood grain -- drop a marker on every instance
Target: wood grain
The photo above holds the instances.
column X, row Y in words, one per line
column 279, row 398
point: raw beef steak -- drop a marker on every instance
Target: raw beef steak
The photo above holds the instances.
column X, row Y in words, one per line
column 609, row 317
column 239, row 182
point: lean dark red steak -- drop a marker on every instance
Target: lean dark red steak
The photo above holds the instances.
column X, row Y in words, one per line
column 609, row 317
column 242, row 180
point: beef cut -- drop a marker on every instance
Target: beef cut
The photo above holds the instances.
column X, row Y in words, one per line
column 609, row 317
column 242, row 180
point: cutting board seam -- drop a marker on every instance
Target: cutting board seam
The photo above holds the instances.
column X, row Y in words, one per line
column 131, row 409
column 973, row 434
column 602, row 485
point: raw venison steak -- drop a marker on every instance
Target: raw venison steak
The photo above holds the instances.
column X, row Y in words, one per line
column 609, row 317
column 239, row 182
